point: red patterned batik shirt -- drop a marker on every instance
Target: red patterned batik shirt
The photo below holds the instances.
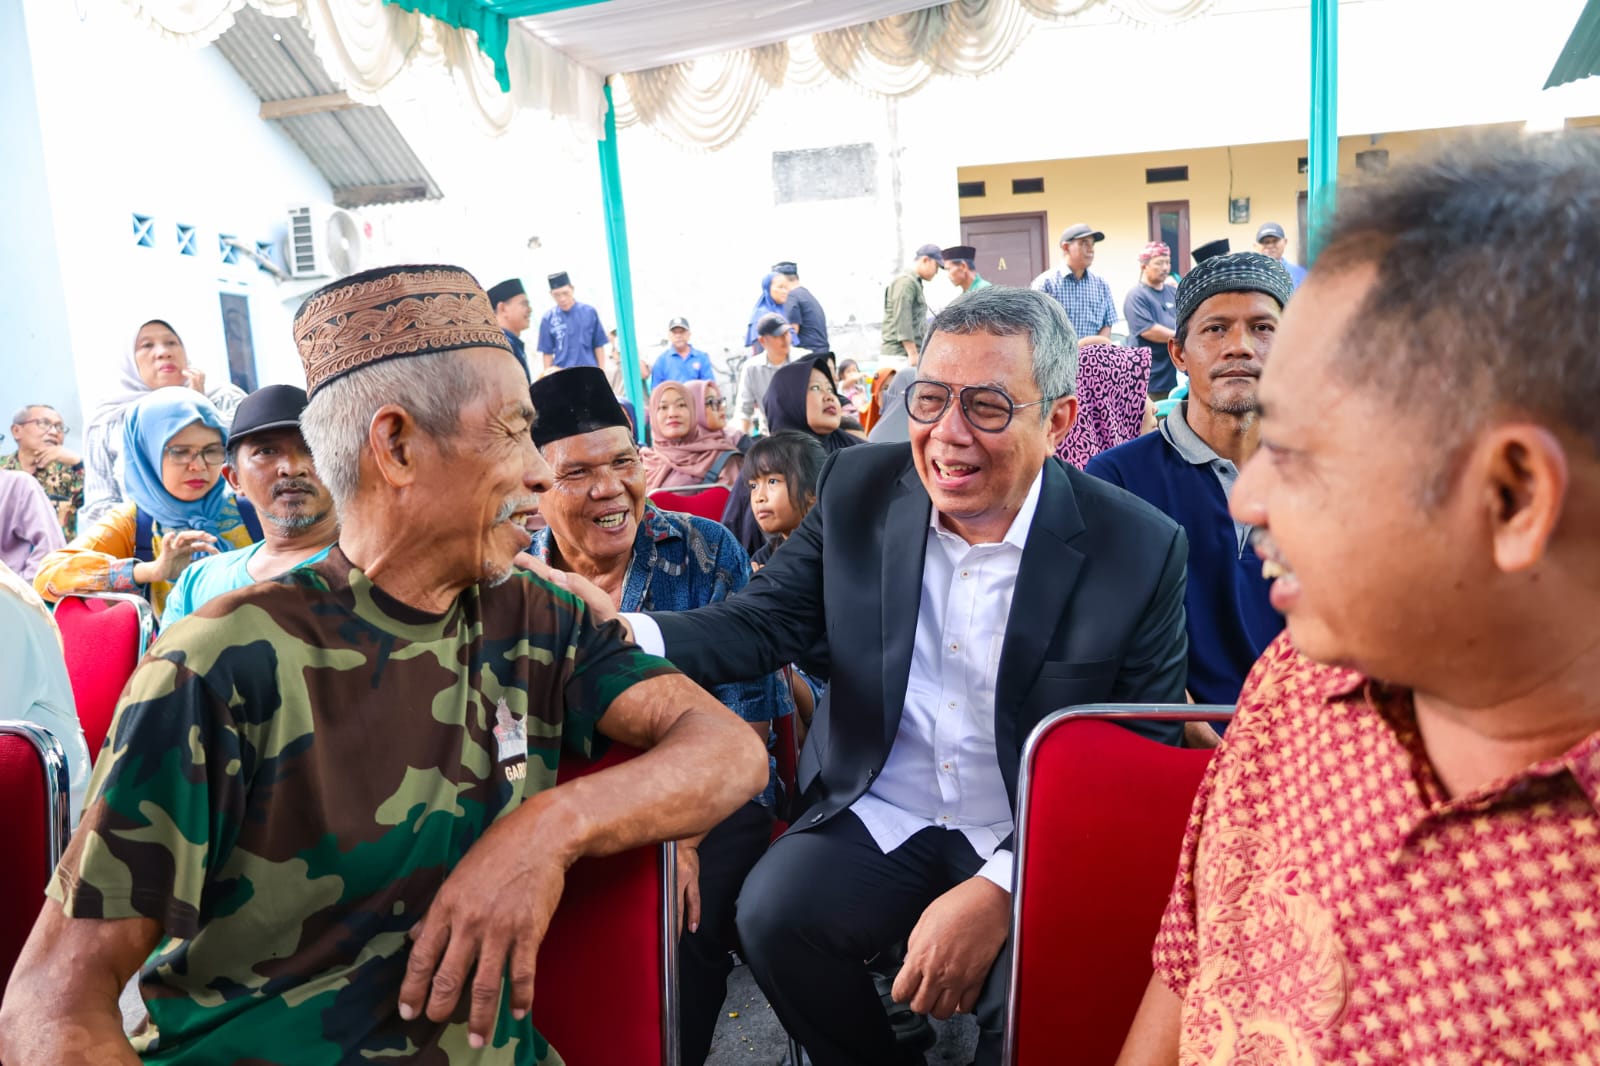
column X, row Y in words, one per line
column 1332, row 906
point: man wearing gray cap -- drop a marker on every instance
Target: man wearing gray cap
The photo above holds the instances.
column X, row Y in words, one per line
column 1271, row 241
column 681, row 361
column 1084, row 296
column 905, row 309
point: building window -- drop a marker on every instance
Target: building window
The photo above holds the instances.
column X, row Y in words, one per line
column 230, row 253
column 969, row 189
column 843, row 172
column 1022, row 186
column 1374, row 162
column 1157, row 175
column 144, row 231
column 186, row 244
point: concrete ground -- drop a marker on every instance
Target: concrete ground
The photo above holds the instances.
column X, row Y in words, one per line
column 748, row 1033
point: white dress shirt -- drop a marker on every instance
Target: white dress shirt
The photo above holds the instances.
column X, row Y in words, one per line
column 942, row 770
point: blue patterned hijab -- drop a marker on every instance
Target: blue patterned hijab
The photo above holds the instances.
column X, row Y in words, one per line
column 764, row 306
column 151, row 423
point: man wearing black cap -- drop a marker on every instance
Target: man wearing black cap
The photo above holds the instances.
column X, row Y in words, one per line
column 803, row 310
column 772, row 331
column 905, row 309
column 681, row 361
column 602, row 526
column 570, row 333
column 1271, row 241
column 1084, row 296
column 270, row 467
column 960, row 269
column 1227, row 315
column 513, row 314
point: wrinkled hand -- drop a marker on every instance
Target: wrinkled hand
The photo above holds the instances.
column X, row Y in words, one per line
column 688, row 887
column 953, row 946
column 177, row 552
column 493, row 910
column 58, row 454
column 196, row 379
column 600, row 605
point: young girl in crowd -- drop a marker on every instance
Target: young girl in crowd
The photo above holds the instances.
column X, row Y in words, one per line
column 781, row 472
column 173, row 447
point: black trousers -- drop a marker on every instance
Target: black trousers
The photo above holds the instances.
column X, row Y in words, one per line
column 726, row 856
column 822, row 901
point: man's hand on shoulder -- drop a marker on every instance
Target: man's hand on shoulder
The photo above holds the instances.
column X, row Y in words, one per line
column 954, row 944
column 600, row 605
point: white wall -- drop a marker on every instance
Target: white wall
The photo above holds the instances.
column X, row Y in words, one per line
column 132, row 123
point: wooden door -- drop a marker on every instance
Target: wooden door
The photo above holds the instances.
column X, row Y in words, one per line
column 1169, row 223
column 1012, row 249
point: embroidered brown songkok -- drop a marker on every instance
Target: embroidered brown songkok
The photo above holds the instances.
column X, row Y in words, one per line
column 388, row 313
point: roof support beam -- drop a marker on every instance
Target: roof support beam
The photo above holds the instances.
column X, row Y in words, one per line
column 366, row 195
column 307, row 105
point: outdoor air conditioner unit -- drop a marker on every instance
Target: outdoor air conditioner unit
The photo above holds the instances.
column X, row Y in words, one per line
column 325, row 241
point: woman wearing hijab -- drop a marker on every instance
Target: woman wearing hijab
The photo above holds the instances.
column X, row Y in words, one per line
column 685, row 450
column 178, row 507
column 158, row 360
column 1113, row 401
column 774, row 291
column 801, row 397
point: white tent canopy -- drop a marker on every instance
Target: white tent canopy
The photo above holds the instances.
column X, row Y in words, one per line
column 558, row 61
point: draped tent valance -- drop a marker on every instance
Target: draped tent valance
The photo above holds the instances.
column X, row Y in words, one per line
column 496, row 53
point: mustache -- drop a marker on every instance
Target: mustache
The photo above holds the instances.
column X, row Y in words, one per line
column 1235, row 370
column 515, row 504
column 296, row 484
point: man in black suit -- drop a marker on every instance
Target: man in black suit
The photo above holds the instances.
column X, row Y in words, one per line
column 954, row 591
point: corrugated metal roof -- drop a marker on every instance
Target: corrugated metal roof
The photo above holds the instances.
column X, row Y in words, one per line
column 358, row 148
column 621, row 36
column 1581, row 56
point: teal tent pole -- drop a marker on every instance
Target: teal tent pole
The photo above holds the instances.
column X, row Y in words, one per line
column 621, row 272
column 1322, row 165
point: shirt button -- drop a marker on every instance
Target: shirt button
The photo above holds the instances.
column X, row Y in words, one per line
column 965, row 574
column 944, row 817
column 952, row 705
column 954, row 646
column 945, row 767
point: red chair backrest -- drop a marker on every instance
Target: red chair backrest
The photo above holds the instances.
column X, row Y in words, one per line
column 1102, row 813
column 708, row 502
column 613, row 940
column 33, row 795
column 104, row 638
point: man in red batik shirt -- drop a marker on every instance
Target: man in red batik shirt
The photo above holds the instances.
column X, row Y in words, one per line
column 1395, row 856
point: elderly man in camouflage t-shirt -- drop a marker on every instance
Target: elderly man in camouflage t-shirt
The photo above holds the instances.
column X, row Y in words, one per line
column 328, row 804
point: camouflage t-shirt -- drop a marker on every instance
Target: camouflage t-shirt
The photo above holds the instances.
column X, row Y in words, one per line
column 292, row 773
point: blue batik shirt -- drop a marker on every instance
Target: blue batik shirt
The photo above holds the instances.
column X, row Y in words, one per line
column 681, row 562
column 572, row 336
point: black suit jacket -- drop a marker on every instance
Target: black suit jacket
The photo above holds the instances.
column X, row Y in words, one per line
column 1097, row 615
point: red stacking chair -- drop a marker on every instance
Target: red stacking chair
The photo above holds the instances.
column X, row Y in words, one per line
column 33, row 794
column 613, row 940
column 1100, row 821
column 104, row 634
column 704, row 501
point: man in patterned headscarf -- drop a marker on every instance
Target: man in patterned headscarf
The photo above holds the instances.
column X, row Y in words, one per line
column 1151, row 311
column 316, row 784
column 1227, row 312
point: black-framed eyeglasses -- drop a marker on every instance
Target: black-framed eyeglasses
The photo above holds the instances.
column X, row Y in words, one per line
column 985, row 408
column 46, row 424
column 211, row 455
column 716, row 404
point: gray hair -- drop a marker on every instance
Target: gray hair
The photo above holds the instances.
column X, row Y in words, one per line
column 434, row 388
column 1008, row 312
column 26, row 411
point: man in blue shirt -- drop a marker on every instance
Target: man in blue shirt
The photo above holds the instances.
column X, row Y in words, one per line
column 570, row 333
column 270, row 468
column 803, row 311
column 1227, row 314
column 1086, row 297
column 1150, row 308
column 682, row 361
column 513, row 314
column 1271, row 241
